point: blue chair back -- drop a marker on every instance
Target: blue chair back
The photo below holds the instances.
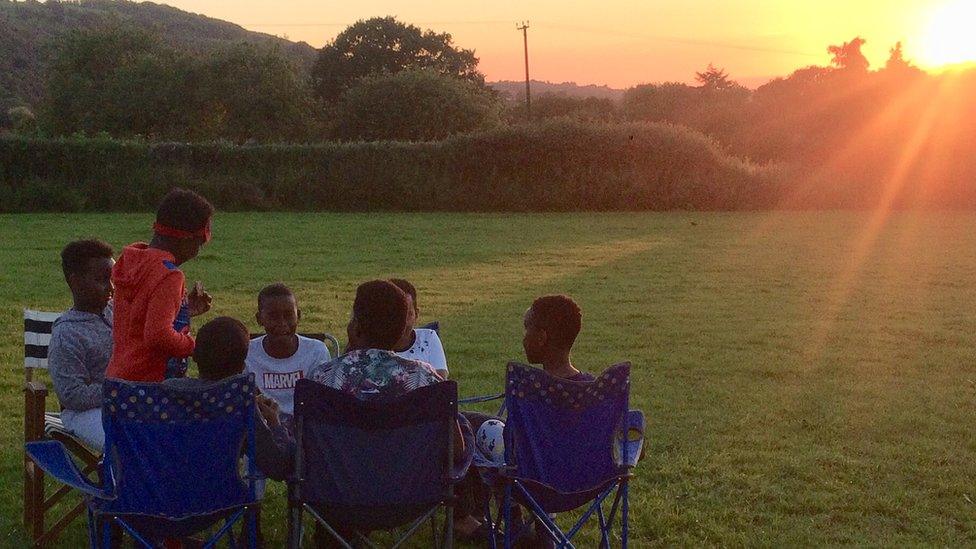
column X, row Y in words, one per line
column 375, row 462
column 175, row 453
column 561, row 433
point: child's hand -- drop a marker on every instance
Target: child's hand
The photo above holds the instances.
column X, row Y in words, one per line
column 198, row 300
column 268, row 409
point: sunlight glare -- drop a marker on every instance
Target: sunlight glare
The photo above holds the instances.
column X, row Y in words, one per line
column 949, row 38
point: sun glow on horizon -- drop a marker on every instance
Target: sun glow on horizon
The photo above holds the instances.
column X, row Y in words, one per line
column 949, row 37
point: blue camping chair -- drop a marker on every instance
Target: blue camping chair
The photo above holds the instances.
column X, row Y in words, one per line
column 375, row 465
column 172, row 462
column 567, row 444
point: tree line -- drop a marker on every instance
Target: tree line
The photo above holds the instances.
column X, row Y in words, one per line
column 854, row 134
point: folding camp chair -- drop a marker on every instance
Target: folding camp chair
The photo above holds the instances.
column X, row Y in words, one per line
column 172, row 462
column 567, row 444
column 41, row 424
column 374, row 465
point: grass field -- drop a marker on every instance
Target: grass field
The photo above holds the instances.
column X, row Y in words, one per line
column 809, row 377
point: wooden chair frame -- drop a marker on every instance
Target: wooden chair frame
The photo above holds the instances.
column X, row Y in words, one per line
column 37, row 503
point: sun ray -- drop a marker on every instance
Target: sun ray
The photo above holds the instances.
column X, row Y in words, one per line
column 844, row 284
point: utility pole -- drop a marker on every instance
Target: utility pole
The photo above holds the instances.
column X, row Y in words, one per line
column 524, row 27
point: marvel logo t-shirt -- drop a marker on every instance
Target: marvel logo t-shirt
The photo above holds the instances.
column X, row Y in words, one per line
column 276, row 377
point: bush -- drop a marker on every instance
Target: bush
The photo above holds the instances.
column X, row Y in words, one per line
column 556, row 166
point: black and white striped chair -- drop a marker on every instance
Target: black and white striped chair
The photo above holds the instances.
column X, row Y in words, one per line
column 39, row 424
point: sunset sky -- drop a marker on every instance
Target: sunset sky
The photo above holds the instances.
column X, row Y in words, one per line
column 621, row 43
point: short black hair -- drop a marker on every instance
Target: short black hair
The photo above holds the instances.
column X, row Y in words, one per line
column 380, row 309
column 560, row 317
column 221, row 348
column 277, row 289
column 185, row 210
column 76, row 255
column 407, row 288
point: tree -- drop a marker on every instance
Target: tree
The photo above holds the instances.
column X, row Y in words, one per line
column 383, row 44
column 848, row 55
column 669, row 101
column 254, row 93
column 118, row 81
column 555, row 105
column 897, row 64
column 125, row 83
column 714, row 79
column 412, row 105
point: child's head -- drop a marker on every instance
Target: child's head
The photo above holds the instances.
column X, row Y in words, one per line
column 278, row 311
column 379, row 316
column 183, row 223
column 87, row 266
column 413, row 310
column 551, row 326
column 221, row 348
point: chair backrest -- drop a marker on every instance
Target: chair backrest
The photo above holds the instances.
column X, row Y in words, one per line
column 37, row 339
column 374, row 454
column 174, row 452
column 561, row 433
column 432, row 325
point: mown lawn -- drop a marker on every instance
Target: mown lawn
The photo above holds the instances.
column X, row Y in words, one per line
column 809, row 377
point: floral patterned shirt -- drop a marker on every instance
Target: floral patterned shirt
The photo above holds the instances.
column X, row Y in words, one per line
column 374, row 373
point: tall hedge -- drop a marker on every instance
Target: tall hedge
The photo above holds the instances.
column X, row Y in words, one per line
column 558, row 166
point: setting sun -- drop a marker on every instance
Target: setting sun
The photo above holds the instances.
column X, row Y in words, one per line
column 949, row 37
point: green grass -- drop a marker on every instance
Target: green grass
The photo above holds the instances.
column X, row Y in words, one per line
column 808, row 377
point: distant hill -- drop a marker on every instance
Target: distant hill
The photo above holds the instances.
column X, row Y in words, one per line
column 30, row 32
column 513, row 90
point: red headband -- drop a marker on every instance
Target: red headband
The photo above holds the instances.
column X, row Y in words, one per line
column 173, row 232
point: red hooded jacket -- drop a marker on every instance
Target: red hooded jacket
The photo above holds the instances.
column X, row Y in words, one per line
column 151, row 329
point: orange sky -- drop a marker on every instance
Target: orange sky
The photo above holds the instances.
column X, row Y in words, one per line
column 619, row 42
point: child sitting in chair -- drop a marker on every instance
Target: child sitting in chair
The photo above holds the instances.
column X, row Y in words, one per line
column 551, row 326
column 421, row 344
column 281, row 357
column 220, row 352
column 81, row 339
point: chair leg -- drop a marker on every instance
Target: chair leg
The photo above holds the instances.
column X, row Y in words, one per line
column 624, row 510
column 604, row 528
column 294, row 526
column 507, row 509
column 106, row 525
column 34, row 500
column 449, row 528
column 437, row 540
column 34, row 404
column 253, row 519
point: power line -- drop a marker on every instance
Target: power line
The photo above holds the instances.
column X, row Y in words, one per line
column 678, row 40
column 346, row 24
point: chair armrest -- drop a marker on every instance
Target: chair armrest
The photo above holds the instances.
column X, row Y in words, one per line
column 482, row 398
column 35, row 396
column 53, row 457
column 35, row 389
column 629, row 441
column 461, row 467
column 329, row 338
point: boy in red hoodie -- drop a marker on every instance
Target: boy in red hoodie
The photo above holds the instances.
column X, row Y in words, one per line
column 151, row 332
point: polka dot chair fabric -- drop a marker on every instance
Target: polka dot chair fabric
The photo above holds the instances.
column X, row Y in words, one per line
column 173, row 455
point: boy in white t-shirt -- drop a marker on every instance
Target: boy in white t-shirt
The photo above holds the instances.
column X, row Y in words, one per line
column 281, row 357
column 419, row 343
